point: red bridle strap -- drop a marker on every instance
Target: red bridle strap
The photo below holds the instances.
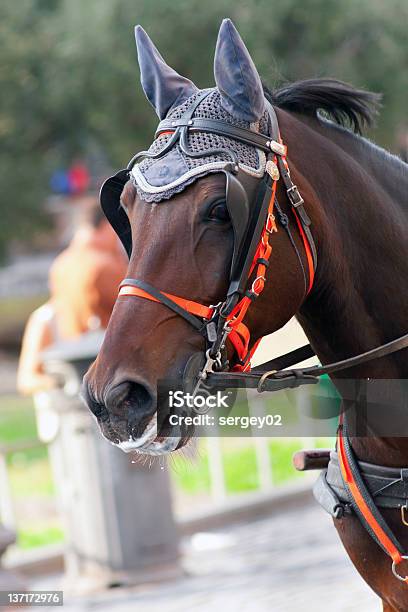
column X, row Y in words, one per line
column 199, row 310
column 239, row 336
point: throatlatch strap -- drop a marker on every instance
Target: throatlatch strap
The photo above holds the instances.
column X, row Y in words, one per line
column 362, row 501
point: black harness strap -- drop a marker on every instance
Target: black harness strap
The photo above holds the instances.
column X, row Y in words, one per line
column 380, row 351
column 297, row 203
column 352, row 465
column 283, row 220
column 267, row 380
column 289, row 359
column 216, row 126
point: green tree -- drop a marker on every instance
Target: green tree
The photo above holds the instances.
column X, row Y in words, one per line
column 69, row 79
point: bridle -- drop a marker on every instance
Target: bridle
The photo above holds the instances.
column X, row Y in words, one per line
column 255, row 215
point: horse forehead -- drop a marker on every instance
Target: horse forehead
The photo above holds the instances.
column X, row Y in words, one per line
column 185, row 202
column 208, row 184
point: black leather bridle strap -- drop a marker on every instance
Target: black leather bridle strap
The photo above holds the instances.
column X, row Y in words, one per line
column 277, row 378
column 297, row 203
column 214, row 126
column 283, row 220
column 286, row 361
column 376, row 353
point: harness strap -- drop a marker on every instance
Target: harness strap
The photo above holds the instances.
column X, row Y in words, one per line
column 307, row 244
column 363, row 502
column 263, row 380
column 289, row 359
column 302, row 218
column 216, row 126
column 283, row 220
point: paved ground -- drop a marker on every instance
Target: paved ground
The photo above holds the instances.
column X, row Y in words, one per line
column 280, row 564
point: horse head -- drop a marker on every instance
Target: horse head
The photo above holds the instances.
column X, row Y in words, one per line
column 182, row 210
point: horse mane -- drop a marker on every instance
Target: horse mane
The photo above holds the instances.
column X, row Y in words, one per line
column 345, row 105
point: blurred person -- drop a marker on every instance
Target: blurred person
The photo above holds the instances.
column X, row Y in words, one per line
column 84, row 278
column 39, row 333
column 83, row 281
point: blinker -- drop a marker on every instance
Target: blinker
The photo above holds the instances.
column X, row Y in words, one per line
column 236, row 200
column 238, row 209
column 109, row 197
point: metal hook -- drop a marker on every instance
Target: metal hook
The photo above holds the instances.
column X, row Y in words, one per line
column 394, row 571
column 404, row 509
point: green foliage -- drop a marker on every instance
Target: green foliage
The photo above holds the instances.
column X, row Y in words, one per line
column 240, row 469
column 40, row 535
column 17, row 420
column 70, row 84
column 30, row 476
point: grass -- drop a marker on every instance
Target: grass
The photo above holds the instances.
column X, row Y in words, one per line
column 41, row 534
column 17, row 420
column 240, row 466
column 29, row 473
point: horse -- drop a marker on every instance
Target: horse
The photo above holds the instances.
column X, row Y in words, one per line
column 181, row 232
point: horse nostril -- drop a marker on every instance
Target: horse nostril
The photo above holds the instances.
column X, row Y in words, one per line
column 132, row 401
column 116, row 396
column 99, row 410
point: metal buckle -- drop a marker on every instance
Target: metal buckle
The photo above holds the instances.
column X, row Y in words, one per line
column 294, row 196
column 257, row 279
column 212, row 361
column 394, row 571
column 263, row 378
column 404, row 509
column 270, row 225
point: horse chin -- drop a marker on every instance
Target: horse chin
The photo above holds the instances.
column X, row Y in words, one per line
column 150, row 443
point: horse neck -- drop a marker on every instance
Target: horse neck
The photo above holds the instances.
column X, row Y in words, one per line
column 359, row 300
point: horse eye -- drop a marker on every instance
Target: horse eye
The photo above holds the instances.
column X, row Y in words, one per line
column 219, row 212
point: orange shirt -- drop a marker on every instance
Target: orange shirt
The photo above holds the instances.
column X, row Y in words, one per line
column 84, row 281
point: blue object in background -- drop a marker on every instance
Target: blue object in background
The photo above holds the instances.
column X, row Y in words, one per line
column 59, row 182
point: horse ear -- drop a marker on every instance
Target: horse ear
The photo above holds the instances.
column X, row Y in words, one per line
column 163, row 86
column 236, row 77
